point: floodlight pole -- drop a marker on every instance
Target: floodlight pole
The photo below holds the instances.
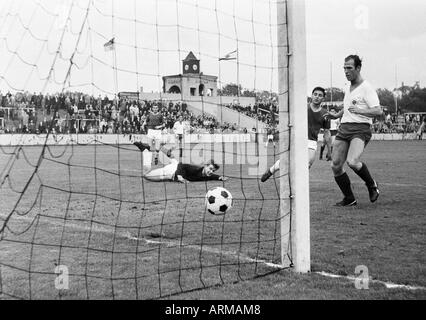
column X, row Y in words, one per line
column 293, row 120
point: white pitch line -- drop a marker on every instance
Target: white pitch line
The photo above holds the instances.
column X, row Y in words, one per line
column 236, row 255
column 391, row 184
column 168, row 243
column 388, row 285
column 212, row 250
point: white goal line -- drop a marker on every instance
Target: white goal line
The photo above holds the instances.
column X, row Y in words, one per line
column 169, row 243
column 233, row 254
column 390, row 184
column 388, row 285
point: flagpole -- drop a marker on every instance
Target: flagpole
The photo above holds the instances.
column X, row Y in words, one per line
column 238, row 83
column 114, row 59
column 396, row 88
column 227, row 57
column 331, row 81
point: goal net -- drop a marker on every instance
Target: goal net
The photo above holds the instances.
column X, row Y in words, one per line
column 78, row 79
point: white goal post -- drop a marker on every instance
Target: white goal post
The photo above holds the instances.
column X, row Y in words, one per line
column 294, row 187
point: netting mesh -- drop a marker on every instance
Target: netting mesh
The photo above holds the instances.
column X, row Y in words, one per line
column 77, row 218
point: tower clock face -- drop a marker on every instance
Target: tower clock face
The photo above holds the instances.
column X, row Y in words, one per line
column 186, row 67
column 194, row 66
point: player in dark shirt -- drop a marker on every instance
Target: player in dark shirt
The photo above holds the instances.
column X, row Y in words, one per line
column 178, row 171
column 316, row 121
column 155, row 120
column 155, row 123
column 190, row 172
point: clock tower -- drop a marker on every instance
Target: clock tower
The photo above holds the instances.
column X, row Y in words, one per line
column 191, row 82
column 191, row 64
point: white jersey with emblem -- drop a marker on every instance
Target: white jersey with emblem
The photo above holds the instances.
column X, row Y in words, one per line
column 363, row 97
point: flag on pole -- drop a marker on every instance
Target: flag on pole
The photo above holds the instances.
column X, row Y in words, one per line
column 229, row 56
column 110, row 45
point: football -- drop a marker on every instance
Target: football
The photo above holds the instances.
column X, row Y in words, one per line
column 218, row 201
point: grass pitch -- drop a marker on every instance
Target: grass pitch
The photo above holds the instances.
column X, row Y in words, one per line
column 87, row 208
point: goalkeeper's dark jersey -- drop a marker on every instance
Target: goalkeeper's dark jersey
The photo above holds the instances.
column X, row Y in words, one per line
column 316, row 122
column 193, row 173
column 154, row 120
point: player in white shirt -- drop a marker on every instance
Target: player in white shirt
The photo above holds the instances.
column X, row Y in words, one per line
column 179, row 130
column 360, row 105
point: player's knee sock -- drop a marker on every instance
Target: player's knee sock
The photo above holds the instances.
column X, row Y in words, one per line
column 364, row 174
column 275, row 167
column 344, row 184
column 322, row 151
column 147, row 159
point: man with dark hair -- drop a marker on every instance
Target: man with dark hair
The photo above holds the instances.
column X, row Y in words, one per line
column 361, row 104
column 155, row 123
column 177, row 171
column 316, row 121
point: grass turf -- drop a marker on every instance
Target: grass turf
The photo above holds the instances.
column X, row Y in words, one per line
column 124, row 238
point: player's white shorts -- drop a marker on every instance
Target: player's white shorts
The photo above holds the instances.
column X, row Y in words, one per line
column 154, row 134
column 312, row 144
column 270, row 137
column 167, row 172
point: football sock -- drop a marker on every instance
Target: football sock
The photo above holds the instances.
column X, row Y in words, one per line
column 322, row 151
column 275, row 167
column 364, row 174
column 344, row 184
column 147, row 159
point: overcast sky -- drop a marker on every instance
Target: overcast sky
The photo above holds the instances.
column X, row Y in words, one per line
column 392, row 41
column 37, row 42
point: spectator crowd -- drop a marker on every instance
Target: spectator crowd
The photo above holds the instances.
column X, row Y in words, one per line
column 391, row 123
column 74, row 112
column 266, row 112
column 82, row 113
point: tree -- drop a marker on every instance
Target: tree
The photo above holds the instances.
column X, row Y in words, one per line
column 334, row 94
column 230, row 89
column 413, row 99
column 249, row 93
column 386, row 98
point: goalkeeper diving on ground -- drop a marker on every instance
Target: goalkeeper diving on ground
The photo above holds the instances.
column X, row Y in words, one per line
column 174, row 170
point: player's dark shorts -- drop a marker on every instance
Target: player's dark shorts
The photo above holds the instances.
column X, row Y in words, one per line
column 333, row 132
column 348, row 131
